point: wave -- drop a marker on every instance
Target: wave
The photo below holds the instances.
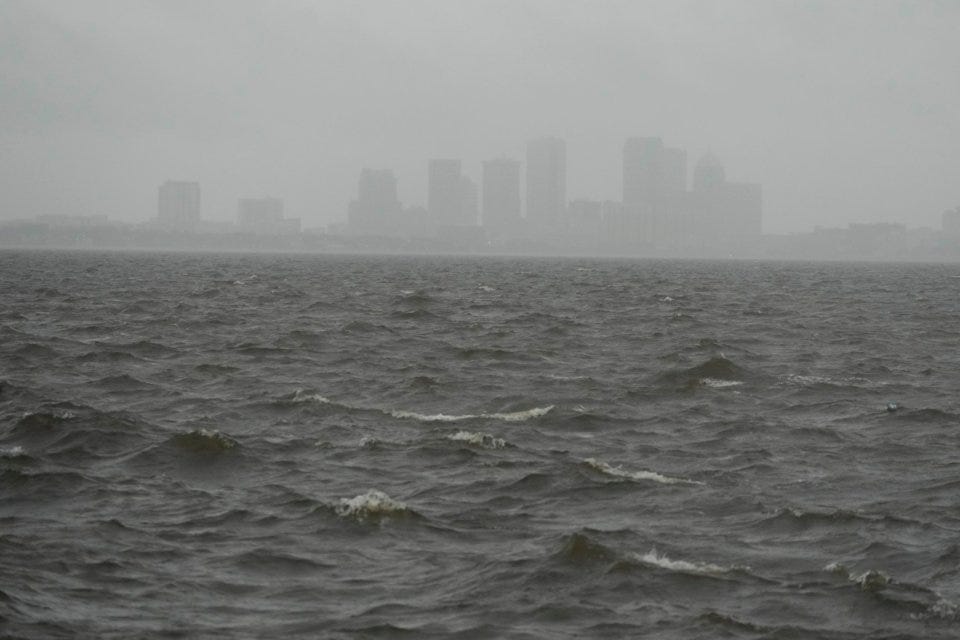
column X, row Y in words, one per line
column 713, row 383
column 654, row 558
column 580, row 549
column 619, row 472
column 797, row 520
column 478, row 439
column 123, row 382
column 515, row 416
column 372, row 505
column 204, row 441
column 12, row 452
column 141, row 348
column 302, row 396
column 718, row 370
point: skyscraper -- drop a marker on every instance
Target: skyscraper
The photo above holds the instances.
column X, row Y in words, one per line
column 501, row 196
column 642, row 170
column 709, row 173
column 178, row 204
column 445, row 192
column 376, row 208
column 546, row 185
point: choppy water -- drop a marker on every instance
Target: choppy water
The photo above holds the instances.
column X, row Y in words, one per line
column 265, row 446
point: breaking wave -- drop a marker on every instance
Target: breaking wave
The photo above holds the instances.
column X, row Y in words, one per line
column 478, row 439
column 515, row 416
column 372, row 505
column 619, row 472
column 657, row 559
column 204, row 441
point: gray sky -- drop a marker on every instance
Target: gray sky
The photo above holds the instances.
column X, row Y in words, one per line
column 844, row 111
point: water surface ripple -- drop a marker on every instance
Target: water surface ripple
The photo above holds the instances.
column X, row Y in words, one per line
column 302, row 446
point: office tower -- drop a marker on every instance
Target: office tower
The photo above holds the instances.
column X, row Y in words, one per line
column 642, row 171
column 259, row 211
column 501, row 196
column 264, row 216
column 724, row 209
column 708, row 174
column 445, row 192
column 673, row 164
column 951, row 222
column 546, row 185
column 376, row 208
column 652, row 174
column 178, row 205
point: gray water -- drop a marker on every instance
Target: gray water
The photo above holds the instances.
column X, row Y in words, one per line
column 311, row 446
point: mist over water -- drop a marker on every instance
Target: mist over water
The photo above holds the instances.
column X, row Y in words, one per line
column 316, row 446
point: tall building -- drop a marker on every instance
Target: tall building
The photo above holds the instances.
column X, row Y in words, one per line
column 546, row 185
column 264, row 216
column 501, row 196
column 642, row 171
column 178, row 204
column 445, row 192
column 652, row 173
column 259, row 211
column 376, row 209
column 951, row 222
column 721, row 208
column 709, row 173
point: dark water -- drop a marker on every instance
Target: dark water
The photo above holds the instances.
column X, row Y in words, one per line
column 262, row 446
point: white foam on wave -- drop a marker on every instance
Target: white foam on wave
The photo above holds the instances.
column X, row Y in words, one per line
column 486, row 288
column 870, row 580
column 516, row 416
column 302, row 396
column 715, row 383
column 656, row 559
column 11, row 452
column 370, row 504
column 478, row 439
column 620, row 472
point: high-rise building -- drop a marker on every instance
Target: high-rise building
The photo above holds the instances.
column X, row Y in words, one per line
column 546, row 185
column 445, row 192
column 501, row 196
column 376, row 208
column 951, row 222
column 264, row 216
column 673, row 164
column 259, row 211
column 178, row 204
column 652, row 174
column 709, row 173
column 721, row 208
column 642, row 171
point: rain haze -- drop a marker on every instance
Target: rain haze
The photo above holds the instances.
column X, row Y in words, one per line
column 481, row 320
column 843, row 112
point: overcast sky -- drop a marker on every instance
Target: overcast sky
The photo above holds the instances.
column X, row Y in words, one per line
column 843, row 111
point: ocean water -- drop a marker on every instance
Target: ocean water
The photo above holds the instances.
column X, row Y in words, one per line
column 226, row 446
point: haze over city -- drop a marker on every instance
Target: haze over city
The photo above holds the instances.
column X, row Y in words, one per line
column 843, row 112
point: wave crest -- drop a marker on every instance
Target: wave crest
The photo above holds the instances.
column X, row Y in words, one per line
column 204, row 441
column 515, row 416
column 373, row 504
column 656, row 559
column 478, row 439
column 619, row 472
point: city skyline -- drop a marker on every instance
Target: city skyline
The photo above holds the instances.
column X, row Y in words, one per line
column 843, row 111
